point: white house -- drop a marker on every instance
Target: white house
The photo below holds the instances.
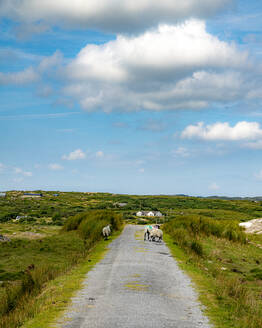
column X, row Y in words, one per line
column 158, row 213
column 140, row 213
column 149, row 213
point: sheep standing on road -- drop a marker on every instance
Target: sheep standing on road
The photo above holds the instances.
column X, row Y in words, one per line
column 147, row 232
column 106, row 232
column 156, row 235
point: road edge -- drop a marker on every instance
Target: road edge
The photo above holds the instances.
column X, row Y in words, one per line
column 58, row 293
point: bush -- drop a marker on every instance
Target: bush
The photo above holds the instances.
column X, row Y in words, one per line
column 197, row 247
column 196, row 225
column 90, row 224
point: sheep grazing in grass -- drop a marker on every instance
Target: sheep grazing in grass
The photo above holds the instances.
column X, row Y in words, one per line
column 106, row 232
column 156, row 235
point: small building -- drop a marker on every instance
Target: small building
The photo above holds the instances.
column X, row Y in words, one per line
column 2, row 194
column 149, row 213
column 158, row 213
column 140, row 213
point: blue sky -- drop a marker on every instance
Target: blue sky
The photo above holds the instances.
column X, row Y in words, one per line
column 148, row 98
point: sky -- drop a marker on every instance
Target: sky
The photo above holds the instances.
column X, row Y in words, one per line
column 133, row 97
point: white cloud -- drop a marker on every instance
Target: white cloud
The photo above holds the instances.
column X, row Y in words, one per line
column 25, row 30
column 18, row 170
column 74, row 155
column 181, row 151
column 27, row 76
column 258, row 175
column 49, row 62
column 141, row 170
column 55, row 167
column 171, row 67
column 223, row 131
column 99, row 154
column 34, row 74
column 108, row 15
column 1, row 167
column 213, row 186
column 253, row 145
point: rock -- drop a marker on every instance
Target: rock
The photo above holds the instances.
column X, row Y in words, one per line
column 252, row 226
column 4, row 238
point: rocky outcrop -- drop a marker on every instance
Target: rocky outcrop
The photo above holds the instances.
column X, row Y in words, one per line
column 252, row 226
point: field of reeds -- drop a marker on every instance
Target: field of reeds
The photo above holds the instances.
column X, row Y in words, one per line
column 27, row 265
column 224, row 264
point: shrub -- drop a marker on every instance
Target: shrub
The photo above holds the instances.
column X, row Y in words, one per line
column 197, row 247
column 90, row 224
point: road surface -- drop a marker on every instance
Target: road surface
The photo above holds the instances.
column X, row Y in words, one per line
column 137, row 284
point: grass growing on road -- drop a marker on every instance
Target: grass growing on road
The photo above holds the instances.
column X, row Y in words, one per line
column 226, row 269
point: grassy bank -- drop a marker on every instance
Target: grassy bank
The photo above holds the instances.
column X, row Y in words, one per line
column 27, row 265
column 224, row 266
column 55, row 298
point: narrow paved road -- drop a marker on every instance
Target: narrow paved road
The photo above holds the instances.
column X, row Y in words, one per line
column 137, row 284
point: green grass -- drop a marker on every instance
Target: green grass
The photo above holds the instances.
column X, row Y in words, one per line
column 28, row 265
column 227, row 273
column 56, row 296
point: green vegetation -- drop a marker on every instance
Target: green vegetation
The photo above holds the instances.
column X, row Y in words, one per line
column 57, row 232
column 53, row 301
column 27, row 265
column 224, row 266
column 51, row 209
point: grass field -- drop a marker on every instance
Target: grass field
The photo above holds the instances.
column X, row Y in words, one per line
column 29, row 263
column 227, row 272
column 56, row 234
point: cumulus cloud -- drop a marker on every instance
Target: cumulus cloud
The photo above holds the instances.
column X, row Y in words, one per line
column 26, row 76
column 74, row 155
column 55, row 167
column 107, row 15
column 34, row 74
column 171, row 67
column 223, row 131
column 18, row 170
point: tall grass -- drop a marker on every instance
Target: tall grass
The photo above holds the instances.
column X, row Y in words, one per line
column 188, row 229
column 90, row 224
column 219, row 250
column 17, row 295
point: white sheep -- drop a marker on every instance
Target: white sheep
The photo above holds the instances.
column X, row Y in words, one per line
column 106, row 232
column 156, row 235
column 147, row 232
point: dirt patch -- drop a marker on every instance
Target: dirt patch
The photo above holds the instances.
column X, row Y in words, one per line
column 27, row 235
